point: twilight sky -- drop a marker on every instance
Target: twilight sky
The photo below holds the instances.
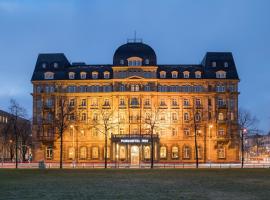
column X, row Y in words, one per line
column 179, row 31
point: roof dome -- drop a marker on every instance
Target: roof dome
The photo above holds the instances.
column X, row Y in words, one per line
column 134, row 49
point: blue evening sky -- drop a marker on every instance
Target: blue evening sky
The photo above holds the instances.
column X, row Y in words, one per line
column 179, row 31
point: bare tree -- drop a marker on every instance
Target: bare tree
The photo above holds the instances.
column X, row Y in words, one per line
column 61, row 121
column 152, row 122
column 246, row 121
column 17, row 113
column 105, row 123
column 24, row 129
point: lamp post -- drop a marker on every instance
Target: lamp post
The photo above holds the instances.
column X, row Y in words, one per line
column 244, row 131
column 73, row 146
column 209, row 142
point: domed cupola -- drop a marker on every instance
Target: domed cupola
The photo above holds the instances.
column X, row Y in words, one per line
column 139, row 50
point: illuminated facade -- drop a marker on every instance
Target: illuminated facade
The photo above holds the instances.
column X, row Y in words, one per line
column 183, row 97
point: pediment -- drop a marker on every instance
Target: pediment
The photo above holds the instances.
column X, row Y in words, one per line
column 135, row 77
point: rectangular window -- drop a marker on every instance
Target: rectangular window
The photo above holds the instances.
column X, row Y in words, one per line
column 221, row 152
column 49, row 153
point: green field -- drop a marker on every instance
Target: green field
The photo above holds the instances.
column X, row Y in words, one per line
column 135, row 184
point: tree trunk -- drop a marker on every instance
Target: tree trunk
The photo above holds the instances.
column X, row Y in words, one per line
column 242, row 149
column 105, row 166
column 16, row 148
column 61, row 150
column 196, row 150
column 152, row 151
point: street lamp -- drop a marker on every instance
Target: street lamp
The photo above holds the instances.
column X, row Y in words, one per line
column 209, row 144
column 244, row 131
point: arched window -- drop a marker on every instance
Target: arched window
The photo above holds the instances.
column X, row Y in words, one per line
column 134, row 61
column 122, row 152
column 186, row 74
column 214, row 64
column 94, row 75
column 147, row 152
column 198, row 117
column 163, row 152
column 83, row 153
column 44, row 65
column 121, row 62
column 220, row 74
column 175, row 152
column 71, row 153
column 226, row 64
column 186, row 116
column 187, row 152
column 174, row 74
column 106, row 75
column 221, row 154
column 83, row 75
column 95, row 152
column 198, row 74
column 55, row 65
column 48, row 75
column 162, row 74
column 186, row 131
column 147, row 61
column 71, row 75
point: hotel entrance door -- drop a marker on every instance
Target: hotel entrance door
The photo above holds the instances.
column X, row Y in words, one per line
column 135, row 155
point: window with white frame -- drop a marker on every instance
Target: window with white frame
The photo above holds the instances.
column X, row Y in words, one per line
column 48, row 75
column 186, row 152
column 94, row 75
column 49, row 153
column 198, row 117
column 135, row 88
column 220, row 74
column 83, row 153
column 106, row 75
column 71, row 153
column 95, row 153
column 186, row 116
column 71, row 75
column 163, row 152
column 83, row 117
column 162, row 74
column 175, row 152
column 83, row 75
column 174, row 116
column 174, row 74
column 221, row 152
column 220, row 88
column 198, row 74
column 186, row 131
column 186, row 74
column 220, row 116
column 134, row 61
column 174, row 102
column 186, row 102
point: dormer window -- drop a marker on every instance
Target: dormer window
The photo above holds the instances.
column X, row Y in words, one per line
column 55, row 65
column 226, row 64
column 214, row 64
column 48, row 75
column 220, row 74
column 198, row 74
column 71, row 75
column 83, row 75
column 186, row 74
column 134, row 61
column 121, row 62
column 106, row 75
column 162, row 74
column 174, row 74
column 95, row 75
column 147, row 61
column 44, row 65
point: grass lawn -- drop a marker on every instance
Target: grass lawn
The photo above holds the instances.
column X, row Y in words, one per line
column 135, row 184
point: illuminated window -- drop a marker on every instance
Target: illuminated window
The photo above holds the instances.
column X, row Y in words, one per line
column 48, row 75
column 198, row 74
column 163, row 152
column 134, row 61
column 147, row 152
column 220, row 116
column 122, row 152
column 106, row 75
column 174, row 74
column 95, row 152
column 83, row 153
column 71, row 153
column 135, row 88
column 83, row 75
column 221, row 152
column 71, row 75
column 220, row 74
column 95, row 75
column 49, row 153
column 186, row 152
column 186, row 74
column 175, row 152
column 162, row 74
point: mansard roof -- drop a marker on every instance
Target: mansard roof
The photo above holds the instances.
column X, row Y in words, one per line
column 46, row 63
